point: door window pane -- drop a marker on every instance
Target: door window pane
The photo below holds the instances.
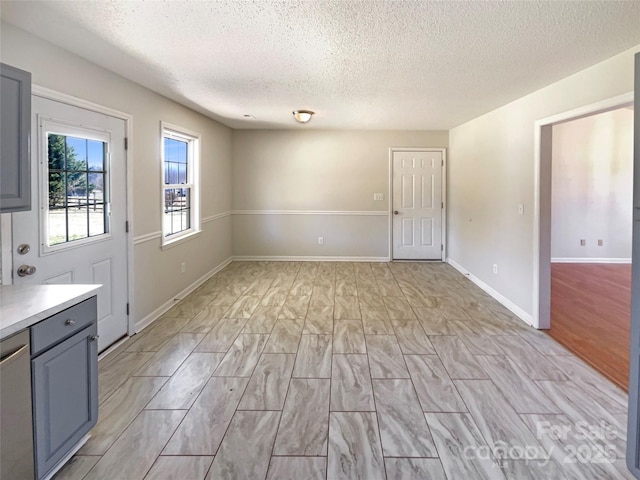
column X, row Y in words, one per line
column 57, row 226
column 76, row 154
column 77, row 223
column 77, row 180
column 96, row 220
column 56, row 148
column 96, row 155
column 56, row 189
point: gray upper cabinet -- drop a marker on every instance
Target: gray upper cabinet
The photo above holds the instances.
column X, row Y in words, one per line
column 15, row 129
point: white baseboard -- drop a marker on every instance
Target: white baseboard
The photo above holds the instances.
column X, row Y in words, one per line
column 590, row 260
column 266, row 258
column 526, row 317
column 166, row 306
column 112, row 348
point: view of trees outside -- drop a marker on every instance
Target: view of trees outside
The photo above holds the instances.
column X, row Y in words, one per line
column 76, row 186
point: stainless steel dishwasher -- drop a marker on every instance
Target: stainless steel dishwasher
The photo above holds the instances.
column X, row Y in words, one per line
column 16, row 429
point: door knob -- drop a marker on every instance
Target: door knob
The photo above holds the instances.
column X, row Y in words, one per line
column 24, row 270
column 396, row 212
column 23, row 249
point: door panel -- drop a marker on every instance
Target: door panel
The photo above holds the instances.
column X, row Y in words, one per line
column 65, row 278
column 407, row 232
column 101, row 273
column 426, row 232
column 427, row 192
column 76, row 230
column 417, row 199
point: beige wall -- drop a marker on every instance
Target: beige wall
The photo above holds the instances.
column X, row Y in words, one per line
column 313, row 172
column 491, row 171
column 592, row 194
column 157, row 273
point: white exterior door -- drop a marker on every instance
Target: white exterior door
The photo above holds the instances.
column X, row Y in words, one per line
column 417, row 204
column 75, row 232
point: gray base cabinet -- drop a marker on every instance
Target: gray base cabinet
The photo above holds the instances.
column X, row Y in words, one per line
column 64, row 381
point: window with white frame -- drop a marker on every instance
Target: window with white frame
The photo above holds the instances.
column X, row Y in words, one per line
column 180, row 167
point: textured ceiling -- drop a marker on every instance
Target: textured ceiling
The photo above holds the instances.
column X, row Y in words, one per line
column 358, row 64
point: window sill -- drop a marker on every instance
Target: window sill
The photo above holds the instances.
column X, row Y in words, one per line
column 167, row 244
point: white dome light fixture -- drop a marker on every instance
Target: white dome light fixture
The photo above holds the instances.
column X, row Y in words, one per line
column 302, row 116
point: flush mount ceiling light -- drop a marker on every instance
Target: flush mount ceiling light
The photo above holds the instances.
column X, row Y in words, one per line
column 303, row 116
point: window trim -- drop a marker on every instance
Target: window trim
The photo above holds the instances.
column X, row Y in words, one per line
column 46, row 126
column 168, row 130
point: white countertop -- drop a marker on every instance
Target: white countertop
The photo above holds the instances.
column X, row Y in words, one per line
column 22, row 306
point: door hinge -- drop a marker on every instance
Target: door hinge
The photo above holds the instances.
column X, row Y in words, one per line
column 442, row 247
column 126, row 226
column 127, row 309
column 441, row 204
column 442, row 164
column 126, row 143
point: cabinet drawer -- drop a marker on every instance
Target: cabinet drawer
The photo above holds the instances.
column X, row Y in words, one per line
column 62, row 325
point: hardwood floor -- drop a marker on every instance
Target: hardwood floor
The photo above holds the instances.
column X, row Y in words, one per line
column 590, row 315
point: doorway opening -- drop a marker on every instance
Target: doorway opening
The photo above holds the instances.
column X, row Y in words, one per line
column 583, row 209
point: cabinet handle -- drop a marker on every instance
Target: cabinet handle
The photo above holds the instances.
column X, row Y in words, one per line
column 93, row 338
column 69, row 322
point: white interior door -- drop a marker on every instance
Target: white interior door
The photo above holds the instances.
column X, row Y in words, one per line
column 417, row 204
column 75, row 232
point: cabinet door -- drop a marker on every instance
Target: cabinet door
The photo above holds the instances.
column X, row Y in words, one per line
column 65, row 397
column 15, row 126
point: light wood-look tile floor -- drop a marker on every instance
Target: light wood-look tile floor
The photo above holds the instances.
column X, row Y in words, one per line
column 279, row 370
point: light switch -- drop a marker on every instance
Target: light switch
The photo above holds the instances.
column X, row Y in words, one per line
column 378, row 197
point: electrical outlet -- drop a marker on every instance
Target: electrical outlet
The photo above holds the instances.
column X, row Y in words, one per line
column 320, row 240
column 521, row 209
column 495, row 268
column 583, row 242
column 600, row 243
column 378, row 197
column 183, row 267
